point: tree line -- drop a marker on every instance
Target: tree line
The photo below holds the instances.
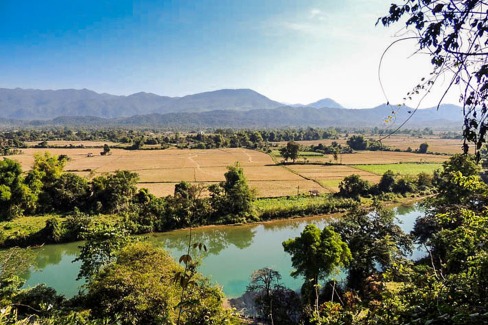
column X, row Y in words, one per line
column 211, row 138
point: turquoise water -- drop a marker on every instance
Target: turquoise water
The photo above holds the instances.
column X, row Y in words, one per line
column 233, row 253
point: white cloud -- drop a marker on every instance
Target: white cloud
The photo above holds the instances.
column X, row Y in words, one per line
column 317, row 14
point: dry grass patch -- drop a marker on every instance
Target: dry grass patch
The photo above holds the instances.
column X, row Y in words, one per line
column 449, row 146
column 159, row 189
column 284, row 188
column 328, row 171
column 166, row 175
column 65, row 143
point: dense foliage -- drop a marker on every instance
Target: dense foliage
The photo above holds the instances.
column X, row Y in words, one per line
column 128, row 283
column 383, row 285
column 354, row 187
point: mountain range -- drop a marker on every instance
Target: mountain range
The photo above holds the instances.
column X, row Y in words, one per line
column 236, row 108
column 30, row 104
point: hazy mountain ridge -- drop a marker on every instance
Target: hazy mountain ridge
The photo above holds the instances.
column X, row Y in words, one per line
column 30, row 104
column 235, row 108
column 449, row 117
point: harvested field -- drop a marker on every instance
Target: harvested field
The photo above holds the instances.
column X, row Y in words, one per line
column 64, row 143
column 329, row 176
column 449, row 146
column 160, row 170
column 285, row 188
column 381, row 157
column 402, row 142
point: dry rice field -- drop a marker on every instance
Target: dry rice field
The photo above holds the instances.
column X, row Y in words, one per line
column 436, row 144
column 66, row 143
column 380, row 157
column 160, row 170
column 329, row 176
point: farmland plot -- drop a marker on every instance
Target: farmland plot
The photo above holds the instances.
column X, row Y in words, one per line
column 380, row 157
column 329, row 176
column 160, row 170
column 403, row 169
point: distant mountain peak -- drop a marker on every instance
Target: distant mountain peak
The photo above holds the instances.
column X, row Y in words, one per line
column 325, row 102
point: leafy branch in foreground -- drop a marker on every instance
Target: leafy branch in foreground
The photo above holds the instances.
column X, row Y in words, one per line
column 454, row 34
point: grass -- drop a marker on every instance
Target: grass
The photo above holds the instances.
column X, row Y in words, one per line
column 267, row 204
column 310, row 154
column 301, row 205
column 23, row 226
column 403, row 169
column 332, row 184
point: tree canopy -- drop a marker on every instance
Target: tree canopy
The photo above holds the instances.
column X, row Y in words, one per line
column 290, row 151
column 315, row 255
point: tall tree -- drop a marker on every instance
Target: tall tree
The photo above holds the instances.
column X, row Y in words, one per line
column 233, row 197
column 374, row 240
column 353, row 186
column 290, row 151
column 357, row 142
column 139, row 288
column 42, row 178
column 274, row 302
column 315, row 255
column 114, row 193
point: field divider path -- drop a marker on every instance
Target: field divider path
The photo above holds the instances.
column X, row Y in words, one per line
column 198, row 168
column 248, row 156
column 362, row 170
column 298, row 174
column 111, row 162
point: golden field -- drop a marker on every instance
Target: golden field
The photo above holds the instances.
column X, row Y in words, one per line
column 160, row 170
column 379, row 157
column 402, row 142
column 67, row 143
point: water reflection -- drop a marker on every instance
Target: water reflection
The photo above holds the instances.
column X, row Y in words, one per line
column 406, row 209
column 215, row 239
column 53, row 254
column 234, row 252
column 54, row 266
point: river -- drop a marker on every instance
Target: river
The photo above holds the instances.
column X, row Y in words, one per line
column 233, row 253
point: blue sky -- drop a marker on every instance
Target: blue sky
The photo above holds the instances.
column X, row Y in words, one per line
column 291, row 51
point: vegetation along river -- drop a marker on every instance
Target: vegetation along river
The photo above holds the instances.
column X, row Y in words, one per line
column 234, row 252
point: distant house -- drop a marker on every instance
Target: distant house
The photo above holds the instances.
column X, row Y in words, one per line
column 89, row 154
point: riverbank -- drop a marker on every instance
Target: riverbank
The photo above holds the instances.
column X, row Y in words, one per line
column 233, row 253
column 48, row 229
